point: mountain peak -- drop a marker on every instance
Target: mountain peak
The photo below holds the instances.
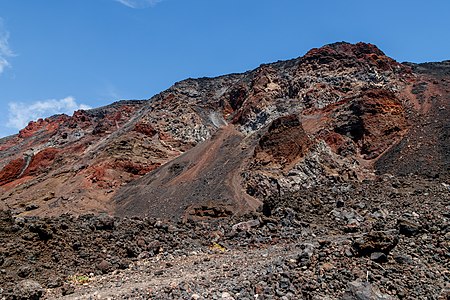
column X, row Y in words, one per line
column 221, row 146
column 347, row 53
column 345, row 48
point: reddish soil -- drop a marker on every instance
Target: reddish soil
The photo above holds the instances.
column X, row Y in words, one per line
column 175, row 156
column 204, row 182
column 321, row 177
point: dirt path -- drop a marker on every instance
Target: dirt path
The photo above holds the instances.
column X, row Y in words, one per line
column 146, row 277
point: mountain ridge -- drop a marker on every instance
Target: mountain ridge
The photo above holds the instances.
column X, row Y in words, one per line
column 352, row 101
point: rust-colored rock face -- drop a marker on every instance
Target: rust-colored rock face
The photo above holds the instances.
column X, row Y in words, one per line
column 145, row 128
column 49, row 125
column 213, row 147
column 360, row 53
column 11, row 171
column 41, row 162
column 284, row 142
column 373, row 121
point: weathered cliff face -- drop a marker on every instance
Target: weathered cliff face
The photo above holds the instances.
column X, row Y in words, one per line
column 60, row 162
column 212, row 147
column 425, row 147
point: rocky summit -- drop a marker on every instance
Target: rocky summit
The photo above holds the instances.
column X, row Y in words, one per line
column 321, row 177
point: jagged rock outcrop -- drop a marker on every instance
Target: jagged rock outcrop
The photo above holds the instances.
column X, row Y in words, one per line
column 211, row 147
column 284, row 142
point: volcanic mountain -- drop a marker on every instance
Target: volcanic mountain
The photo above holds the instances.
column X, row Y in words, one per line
column 215, row 147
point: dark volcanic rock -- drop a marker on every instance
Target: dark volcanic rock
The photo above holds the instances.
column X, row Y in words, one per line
column 24, row 271
column 300, row 249
column 42, row 230
column 324, row 176
column 358, row 290
column 213, row 147
column 408, row 228
column 28, row 290
column 378, row 257
column 376, row 241
column 104, row 266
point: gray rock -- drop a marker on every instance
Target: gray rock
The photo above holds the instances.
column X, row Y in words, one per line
column 54, row 282
column 304, row 257
column 226, row 296
column 245, row 226
column 358, row 290
column 67, row 289
column 104, row 222
column 379, row 257
column 346, row 214
column 28, row 290
column 403, row 259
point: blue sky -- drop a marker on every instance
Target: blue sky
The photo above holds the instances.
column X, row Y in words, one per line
column 61, row 55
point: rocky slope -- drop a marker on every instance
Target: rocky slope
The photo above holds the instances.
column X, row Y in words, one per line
column 382, row 239
column 342, row 112
column 322, row 177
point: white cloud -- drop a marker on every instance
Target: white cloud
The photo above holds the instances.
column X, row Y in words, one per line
column 109, row 91
column 20, row 114
column 139, row 3
column 3, row 64
column 5, row 51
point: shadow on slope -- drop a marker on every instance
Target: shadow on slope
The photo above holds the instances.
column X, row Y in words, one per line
column 203, row 182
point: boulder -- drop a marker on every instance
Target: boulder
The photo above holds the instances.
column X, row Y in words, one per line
column 358, row 290
column 376, row 241
column 28, row 290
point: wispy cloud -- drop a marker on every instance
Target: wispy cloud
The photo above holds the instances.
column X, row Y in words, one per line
column 19, row 113
column 109, row 91
column 5, row 50
column 139, row 3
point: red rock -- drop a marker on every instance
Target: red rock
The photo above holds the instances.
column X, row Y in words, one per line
column 374, row 121
column 41, row 161
column 136, row 168
column 145, row 128
column 11, row 171
column 284, row 142
column 374, row 114
column 32, row 128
